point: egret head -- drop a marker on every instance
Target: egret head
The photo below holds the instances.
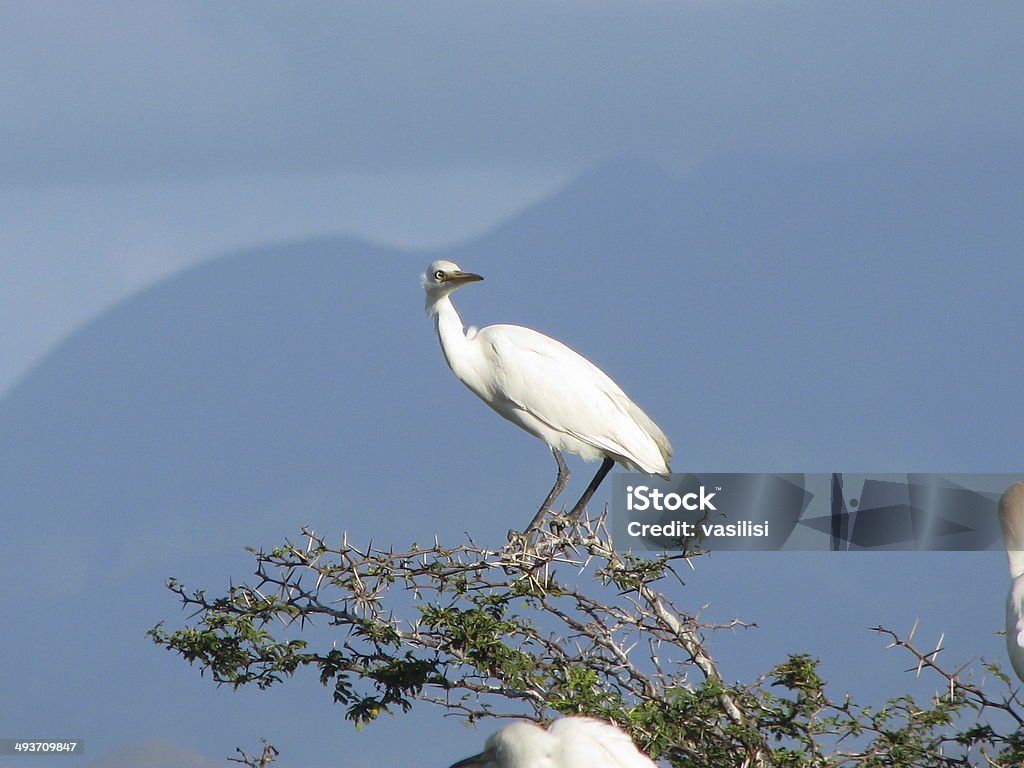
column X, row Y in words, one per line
column 518, row 745
column 443, row 277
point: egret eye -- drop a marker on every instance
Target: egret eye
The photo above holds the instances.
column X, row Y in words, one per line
column 439, row 276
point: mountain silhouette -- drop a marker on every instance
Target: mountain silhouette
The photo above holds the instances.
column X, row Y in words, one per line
column 770, row 313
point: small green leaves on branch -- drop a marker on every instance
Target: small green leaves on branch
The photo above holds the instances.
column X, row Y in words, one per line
column 566, row 625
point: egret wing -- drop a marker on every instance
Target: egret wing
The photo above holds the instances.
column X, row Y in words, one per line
column 567, row 392
column 1011, row 519
column 588, row 743
column 1015, row 625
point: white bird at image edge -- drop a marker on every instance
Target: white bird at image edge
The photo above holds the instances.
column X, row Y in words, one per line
column 546, row 388
column 1011, row 519
column 570, row 742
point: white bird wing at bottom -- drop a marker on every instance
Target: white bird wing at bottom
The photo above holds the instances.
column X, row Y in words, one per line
column 572, row 396
column 1015, row 625
column 588, row 743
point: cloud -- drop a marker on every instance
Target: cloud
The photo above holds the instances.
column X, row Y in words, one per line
column 191, row 88
column 155, row 754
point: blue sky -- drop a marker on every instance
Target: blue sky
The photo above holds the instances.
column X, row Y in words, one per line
column 139, row 139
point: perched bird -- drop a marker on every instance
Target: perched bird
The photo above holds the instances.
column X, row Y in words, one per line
column 546, row 388
column 1011, row 519
column 570, row 742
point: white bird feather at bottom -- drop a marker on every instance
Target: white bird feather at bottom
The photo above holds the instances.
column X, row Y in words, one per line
column 1011, row 519
column 570, row 742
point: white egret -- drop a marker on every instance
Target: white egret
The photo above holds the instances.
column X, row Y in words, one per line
column 546, row 388
column 570, row 742
column 1011, row 519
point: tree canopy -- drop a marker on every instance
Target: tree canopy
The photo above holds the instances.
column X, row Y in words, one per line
column 562, row 623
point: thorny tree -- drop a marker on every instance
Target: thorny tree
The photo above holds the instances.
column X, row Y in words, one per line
column 565, row 625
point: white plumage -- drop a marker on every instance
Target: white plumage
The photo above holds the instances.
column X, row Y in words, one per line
column 543, row 386
column 570, row 742
column 1011, row 519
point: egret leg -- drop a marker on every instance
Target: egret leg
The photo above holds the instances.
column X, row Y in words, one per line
column 603, row 470
column 560, row 482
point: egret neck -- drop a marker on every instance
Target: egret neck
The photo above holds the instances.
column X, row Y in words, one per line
column 455, row 346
